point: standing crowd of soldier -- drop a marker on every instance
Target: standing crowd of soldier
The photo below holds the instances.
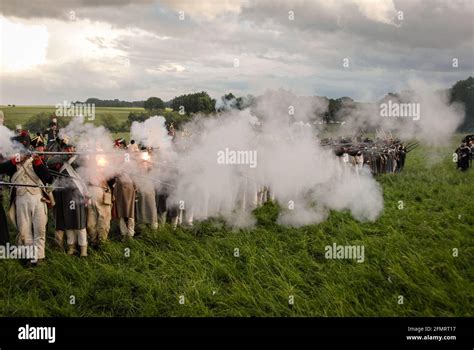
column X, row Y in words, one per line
column 82, row 210
column 380, row 156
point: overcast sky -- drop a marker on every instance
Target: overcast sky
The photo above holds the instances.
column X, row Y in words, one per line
column 74, row 49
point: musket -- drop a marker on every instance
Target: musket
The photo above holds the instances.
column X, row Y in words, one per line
column 166, row 165
column 11, row 184
column 411, row 149
column 77, row 153
column 412, row 146
column 58, row 174
column 86, row 152
column 150, row 178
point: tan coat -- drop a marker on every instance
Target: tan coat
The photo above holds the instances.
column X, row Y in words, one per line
column 124, row 195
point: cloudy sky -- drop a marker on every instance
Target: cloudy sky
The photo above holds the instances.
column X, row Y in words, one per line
column 74, row 49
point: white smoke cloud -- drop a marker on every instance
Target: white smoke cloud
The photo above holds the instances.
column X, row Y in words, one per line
column 307, row 179
column 6, row 146
column 107, row 163
column 299, row 172
column 438, row 120
column 152, row 133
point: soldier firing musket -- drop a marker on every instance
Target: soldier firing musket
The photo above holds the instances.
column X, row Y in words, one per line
column 146, row 209
column 70, row 210
column 29, row 197
column 99, row 210
column 385, row 155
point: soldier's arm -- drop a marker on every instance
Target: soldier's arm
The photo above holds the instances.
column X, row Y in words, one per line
column 8, row 167
column 42, row 171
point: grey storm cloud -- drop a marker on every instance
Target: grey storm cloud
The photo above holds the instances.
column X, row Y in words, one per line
column 437, row 24
column 58, row 9
column 169, row 56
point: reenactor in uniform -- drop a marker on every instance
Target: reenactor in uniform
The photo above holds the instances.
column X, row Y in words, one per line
column 4, row 234
column 147, row 212
column 463, row 153
column 172, row 132
column 401, row 156
column 99, row 211
column 51, row 133
column 70, row 210
column 133, row 147
column 120, row 143
column 28, row 205
column 124, row 205
column 358, row 162
column 37, row 143
column 471, row 146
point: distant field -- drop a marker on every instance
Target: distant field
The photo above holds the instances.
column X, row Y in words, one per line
column 20, row 114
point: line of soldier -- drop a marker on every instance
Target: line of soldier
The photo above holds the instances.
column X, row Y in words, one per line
column 82, row 211
column 380, row 156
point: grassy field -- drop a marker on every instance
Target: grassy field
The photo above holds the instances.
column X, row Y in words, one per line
column 408, row 253
column 20, row 114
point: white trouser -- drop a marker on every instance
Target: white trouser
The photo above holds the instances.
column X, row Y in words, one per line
column 186, row 216
column 127, row 228
column 77, row 236
column 31, row 218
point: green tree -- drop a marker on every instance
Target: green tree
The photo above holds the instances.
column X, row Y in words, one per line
column 339, row 108
column 194, row 103
column 154, row 103
column 463, row 92
column 110, row 122
column 40, row 122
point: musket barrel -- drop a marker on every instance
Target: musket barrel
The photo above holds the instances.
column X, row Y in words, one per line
column 46, row 153
column 11, row 184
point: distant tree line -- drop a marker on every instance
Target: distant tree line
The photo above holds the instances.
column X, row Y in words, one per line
column 112, row 103
column 461, row 92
